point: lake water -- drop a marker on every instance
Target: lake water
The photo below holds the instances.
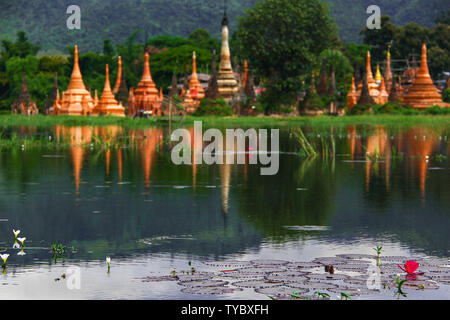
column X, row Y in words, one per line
column 111, row 191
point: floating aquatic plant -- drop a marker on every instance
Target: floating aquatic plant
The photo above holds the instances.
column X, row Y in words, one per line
column 22, row 240
column 322, row 295
column 4, row 257
column 58, row 250
column 400, row 283
column 16, row 233
column 410, row 269
column 345, row 296
column 378, row 250
column 108, row 261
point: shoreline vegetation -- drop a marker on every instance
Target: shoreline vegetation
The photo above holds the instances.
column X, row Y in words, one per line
column 398, row 120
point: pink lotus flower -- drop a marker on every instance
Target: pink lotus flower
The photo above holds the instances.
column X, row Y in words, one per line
column 410, row 269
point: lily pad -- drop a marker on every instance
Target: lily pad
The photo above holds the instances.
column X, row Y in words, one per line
column 255, row 270
column 311, row 285
column 242, row 276
column 330, row 260
column 267, row 263
column 281, row 291
column 421, row 285
column 353, row 291
column 326, row 276
column 203, row 283
column 210, row 290
column 195, row 277
column 303, row 265
column 160, row 278
column 361, row 268
column 257, row 284
column 231, row 264
column 286, row 276
column 356, row 256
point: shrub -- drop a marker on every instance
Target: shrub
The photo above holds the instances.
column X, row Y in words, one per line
column 359, row 109
column 217, row 107
column 436, row 110
column 393, row 108
column 446, row 95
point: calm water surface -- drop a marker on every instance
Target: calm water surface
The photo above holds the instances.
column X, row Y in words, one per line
column 115, row 192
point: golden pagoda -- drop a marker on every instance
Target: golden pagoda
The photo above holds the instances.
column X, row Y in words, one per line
column 119, row 75
column 388, row 71
column 146, row 95
column 383, row 97
column 195, row 92
column 378, row 75
column 108, row 105
column 228, row 85
column 422, row 93
column 351, row 96
column 76, row 100
column 195, row 86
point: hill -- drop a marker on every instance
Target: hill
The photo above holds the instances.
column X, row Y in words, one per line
column 45, row 21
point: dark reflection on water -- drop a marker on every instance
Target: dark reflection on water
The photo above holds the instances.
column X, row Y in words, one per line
column 116, row 191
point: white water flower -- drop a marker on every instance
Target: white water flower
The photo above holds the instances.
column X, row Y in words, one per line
column 108, row 261
column 16, row 233
column 4, row 257
column 16, row 245
column 22, row 239
column 21, row 253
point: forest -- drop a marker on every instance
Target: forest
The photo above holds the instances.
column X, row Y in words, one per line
column 45, row 21
column 279, row 60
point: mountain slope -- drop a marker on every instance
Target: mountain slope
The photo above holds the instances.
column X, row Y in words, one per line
column 45, row 21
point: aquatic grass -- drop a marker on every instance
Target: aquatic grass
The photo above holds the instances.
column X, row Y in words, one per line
column 306, row 146
column 345, row 296
column 58, row 250
column 322, row 295
column 378, row 251
column 399, row 293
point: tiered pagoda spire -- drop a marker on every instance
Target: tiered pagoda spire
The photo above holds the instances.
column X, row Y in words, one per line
column 351, row 96
column 195, row 86
column 24, row 104
column 76, row 100
column 228, row 85
column 422, row 93
column 146, row 95
column 107, row 104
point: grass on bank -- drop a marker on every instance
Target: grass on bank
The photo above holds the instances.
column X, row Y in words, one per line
column 42, row 121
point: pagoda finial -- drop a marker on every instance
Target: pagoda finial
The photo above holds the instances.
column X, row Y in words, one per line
column 423, row 61
column 146, row 75
column 378, row 74
column 369, row 69
column 194, row 63
column 107, row 84
column 225, row 17
column 76, row 80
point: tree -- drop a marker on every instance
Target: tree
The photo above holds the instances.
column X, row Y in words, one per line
column 108, row 49
column 343, row 69
column 203, row 39
column 22, row 47
column 379, row 39
column 281, row 39
column 444, row 18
